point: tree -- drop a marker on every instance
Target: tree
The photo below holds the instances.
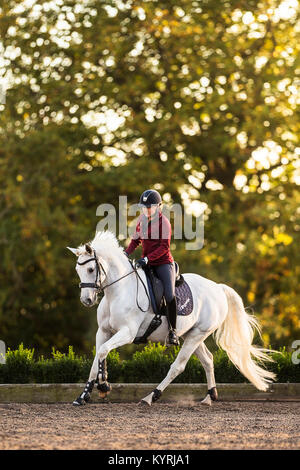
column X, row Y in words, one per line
column 197, row 99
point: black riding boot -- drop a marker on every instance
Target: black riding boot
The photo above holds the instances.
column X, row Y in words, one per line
column 172, row 316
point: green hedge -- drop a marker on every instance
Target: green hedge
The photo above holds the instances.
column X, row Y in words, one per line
column 147, row 366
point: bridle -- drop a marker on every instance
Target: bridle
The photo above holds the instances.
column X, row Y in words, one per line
column 98, row 284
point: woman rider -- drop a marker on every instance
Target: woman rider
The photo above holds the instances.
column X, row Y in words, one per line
column 154, row 231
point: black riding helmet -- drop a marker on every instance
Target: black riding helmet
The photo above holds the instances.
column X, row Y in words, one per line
column 150, row 197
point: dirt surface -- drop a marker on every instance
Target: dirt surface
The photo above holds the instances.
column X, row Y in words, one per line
column 225, row 425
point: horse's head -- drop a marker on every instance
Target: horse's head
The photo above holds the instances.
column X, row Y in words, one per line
column 91, row 273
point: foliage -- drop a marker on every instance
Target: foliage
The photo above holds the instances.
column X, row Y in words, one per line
column 19, row 365
column 196, row 99
column 284, row 368
column 62, row 368
column 150, row 365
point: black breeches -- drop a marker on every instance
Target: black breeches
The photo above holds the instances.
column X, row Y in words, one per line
column 166, row 273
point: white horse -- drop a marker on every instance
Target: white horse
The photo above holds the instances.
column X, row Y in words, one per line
column 125, row 312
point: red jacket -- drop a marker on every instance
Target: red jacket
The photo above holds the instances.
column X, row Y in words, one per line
column 155, row 236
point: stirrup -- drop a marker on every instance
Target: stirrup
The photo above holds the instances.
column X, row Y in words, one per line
column 173, row 338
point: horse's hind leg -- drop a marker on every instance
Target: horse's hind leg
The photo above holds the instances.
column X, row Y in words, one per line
column 192, row 340
column 206, row 359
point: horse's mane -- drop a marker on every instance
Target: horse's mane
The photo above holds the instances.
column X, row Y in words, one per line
column 104, row 243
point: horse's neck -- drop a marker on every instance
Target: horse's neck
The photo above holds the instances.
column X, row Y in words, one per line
column 118, row 266
column 124, row 291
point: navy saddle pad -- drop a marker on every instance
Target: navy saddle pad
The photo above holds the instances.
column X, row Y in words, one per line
column 184, row 299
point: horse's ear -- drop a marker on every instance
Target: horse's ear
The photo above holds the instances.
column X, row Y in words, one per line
column 74, row 250
column 89, row 249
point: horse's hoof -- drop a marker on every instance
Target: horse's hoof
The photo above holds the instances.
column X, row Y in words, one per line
column 147, row 400
column 104, row 389
column 78, row 402
column 206, row 401
column 144, row 403
column 152, row 397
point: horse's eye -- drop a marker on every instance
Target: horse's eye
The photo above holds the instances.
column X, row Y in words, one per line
column 90, row 270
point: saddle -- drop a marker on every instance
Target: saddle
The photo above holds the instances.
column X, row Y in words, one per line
column 156, row 288
column 156, row 292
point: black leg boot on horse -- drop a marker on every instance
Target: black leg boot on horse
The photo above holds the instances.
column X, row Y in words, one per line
column 172, row 317
column 85, row 395
column 103, row 387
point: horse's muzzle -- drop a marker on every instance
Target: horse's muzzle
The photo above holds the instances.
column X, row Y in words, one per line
column 88, row 302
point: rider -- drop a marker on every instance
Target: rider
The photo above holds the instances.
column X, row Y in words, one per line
column 154, row 231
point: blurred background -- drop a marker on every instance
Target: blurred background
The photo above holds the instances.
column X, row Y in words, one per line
column 197, row 99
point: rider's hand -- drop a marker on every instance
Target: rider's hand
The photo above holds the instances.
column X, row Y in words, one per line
column 142, row 262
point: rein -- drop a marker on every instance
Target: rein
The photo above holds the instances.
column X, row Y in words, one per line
column 100, row 288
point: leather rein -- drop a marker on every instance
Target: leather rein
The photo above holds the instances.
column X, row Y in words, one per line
column 98, row 284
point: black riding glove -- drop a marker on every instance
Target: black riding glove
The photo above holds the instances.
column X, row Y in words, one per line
column 142, row 262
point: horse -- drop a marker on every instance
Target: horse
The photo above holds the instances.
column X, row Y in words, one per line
column 125, row 312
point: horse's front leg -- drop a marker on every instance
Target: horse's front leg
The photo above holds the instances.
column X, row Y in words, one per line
column 124, row 336
column 84, row 397
column 103, row 386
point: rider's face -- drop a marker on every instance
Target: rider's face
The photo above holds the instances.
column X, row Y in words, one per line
column 149, row 211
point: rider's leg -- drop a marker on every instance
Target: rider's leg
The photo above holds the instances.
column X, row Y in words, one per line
column 172, row 318
column 167, row 274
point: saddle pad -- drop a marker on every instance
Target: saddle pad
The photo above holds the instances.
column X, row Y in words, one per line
column 184, row 299
column 183, row 295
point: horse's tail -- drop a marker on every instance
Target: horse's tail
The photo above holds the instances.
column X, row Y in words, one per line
column 235, row 336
